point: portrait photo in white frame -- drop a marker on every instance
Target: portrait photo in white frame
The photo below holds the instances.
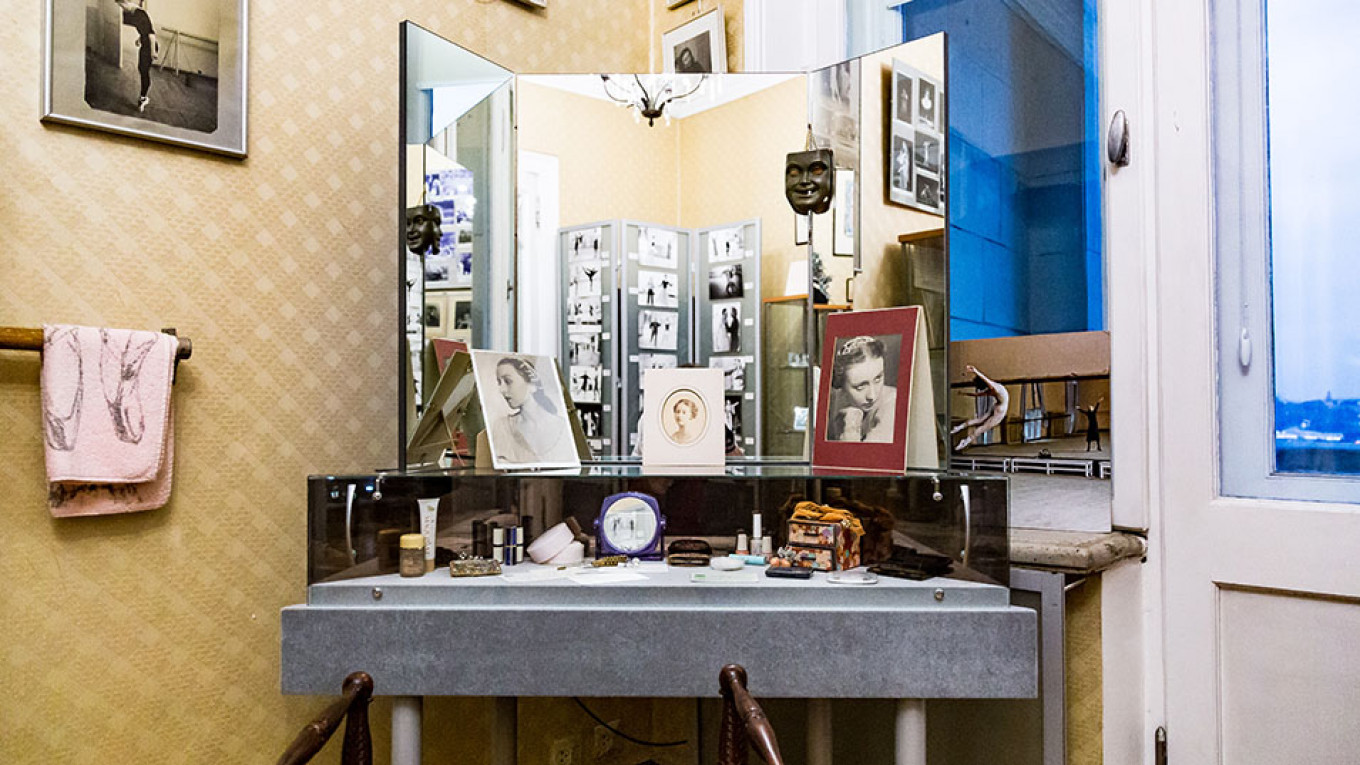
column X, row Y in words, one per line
column 683, row 420
column 699, row 46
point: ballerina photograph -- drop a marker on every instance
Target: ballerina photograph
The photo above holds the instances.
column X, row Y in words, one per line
column 526, row 416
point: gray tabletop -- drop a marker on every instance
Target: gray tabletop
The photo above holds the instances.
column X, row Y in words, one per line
column 653, row 631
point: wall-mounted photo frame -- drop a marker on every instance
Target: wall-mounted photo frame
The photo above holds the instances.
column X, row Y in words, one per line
column 175, row 73
column 915, row 140
column 801, row 231
column 436, row 315
column 699, row 46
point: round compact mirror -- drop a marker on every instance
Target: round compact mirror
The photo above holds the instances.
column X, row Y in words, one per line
column 630, row 524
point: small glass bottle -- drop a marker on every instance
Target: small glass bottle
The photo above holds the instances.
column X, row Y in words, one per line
column 412, row 561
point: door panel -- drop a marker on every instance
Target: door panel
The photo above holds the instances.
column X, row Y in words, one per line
column 1258, row 597
column 1290, row 675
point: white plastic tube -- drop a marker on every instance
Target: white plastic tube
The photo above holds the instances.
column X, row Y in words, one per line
column 429, row 513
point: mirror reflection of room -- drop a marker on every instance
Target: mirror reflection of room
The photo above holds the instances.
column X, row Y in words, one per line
column 670, row 236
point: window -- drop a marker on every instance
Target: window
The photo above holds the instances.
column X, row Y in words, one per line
column 1287, row 193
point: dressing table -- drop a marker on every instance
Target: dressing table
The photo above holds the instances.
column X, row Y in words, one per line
column 650, row 630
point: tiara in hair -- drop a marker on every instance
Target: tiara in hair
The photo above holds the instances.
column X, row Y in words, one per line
column 854, row 344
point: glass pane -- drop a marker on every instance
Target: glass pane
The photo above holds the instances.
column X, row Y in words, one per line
column 1025, row 215
column 1314, row 227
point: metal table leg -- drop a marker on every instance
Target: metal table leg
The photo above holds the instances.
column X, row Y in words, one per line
column 911, row 732
column 406, row 714
column 819, row 732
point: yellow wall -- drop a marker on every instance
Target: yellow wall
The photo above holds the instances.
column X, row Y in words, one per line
column 732, row 168
column 881, row 222
column 610, row 166
column 155, row 638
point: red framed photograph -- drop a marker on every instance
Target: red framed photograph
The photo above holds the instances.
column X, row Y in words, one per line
column 874, row 404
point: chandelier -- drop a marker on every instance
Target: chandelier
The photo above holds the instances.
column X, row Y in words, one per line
column 650, row 98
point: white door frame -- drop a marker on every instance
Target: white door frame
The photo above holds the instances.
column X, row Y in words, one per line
column 1210, row 545
column 538, row 302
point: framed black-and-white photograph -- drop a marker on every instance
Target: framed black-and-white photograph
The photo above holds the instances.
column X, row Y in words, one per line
column 915, row 143
column 927, row 191
column 658, row 247
column 461, row 310
column 699, row 46
column 173, row 72
column 903, row 98
column 726, row 330
column 460, row 272
column 526, row 416
column 583, row 349
column 658, row 330
column 726, row 244
column 658, row 288
column 802, row 233
column 439, row 268
column 734, row 372
column 436, row 316
column 653, row 361
column 585, row 280
column 683, row 417
column 725, row 282
column 928, row 153
column 732, row 407
column 585, row 311
column 927, row 103
column 585, row 384
column 584, row 244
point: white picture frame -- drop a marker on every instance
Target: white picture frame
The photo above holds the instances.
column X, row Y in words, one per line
column 683, row 418
column 698, row 46
column 528, row 425
column 105, row 68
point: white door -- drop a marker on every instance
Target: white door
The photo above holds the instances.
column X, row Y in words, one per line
column 1261, row 597
column 540, row 316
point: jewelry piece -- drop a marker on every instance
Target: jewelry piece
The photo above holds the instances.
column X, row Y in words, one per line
column 474, row 567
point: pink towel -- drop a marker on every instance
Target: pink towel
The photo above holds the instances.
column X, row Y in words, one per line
column 107, row 418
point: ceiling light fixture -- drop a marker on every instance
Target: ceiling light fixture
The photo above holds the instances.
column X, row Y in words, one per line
column 650, row 98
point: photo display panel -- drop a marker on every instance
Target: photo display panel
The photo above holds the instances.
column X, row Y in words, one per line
column 727, row 321
column 588, row 263
column 656, row 326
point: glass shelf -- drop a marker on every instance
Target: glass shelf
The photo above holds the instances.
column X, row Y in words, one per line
column 354, row 520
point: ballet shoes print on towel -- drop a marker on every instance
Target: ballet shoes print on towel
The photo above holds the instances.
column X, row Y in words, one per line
column 120, row 377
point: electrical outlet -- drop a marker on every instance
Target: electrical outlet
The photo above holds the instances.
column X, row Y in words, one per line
column 604, row 739
column 563, row 752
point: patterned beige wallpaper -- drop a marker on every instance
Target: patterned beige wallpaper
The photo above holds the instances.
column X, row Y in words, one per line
column 154, row 638
column 733, row 169
column 609, row 165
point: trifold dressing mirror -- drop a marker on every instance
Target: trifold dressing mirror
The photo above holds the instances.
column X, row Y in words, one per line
column 626, row 222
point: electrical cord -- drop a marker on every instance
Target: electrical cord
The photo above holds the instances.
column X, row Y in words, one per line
column 620, row 733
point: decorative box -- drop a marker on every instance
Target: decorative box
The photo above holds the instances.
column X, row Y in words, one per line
column 842, row 546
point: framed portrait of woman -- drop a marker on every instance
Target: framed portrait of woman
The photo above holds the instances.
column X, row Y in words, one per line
column 528, row 424
column 683, row 417
column 875, row 409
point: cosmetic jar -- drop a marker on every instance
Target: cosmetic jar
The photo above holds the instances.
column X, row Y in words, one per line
column 412, row 561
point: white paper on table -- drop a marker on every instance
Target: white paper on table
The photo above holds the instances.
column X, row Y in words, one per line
column 598, row 576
